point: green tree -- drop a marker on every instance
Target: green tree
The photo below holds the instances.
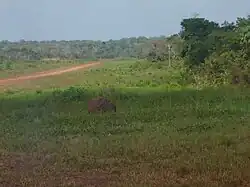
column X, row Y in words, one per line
column 195, row 32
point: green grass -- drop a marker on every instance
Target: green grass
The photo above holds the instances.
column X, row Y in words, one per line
column 11, row 69
column 157, row 137
column 110, row 74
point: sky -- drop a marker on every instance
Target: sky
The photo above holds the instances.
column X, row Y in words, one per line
column 107, row 19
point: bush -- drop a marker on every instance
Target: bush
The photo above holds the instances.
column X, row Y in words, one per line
column 70, row 94
column 220, row 69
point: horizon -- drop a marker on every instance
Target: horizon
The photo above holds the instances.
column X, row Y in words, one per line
column 113, row 20
column 149, row 37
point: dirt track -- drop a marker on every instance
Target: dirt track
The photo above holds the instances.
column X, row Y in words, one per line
column 47, row 73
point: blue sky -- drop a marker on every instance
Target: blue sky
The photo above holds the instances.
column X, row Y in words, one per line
column 107, row 19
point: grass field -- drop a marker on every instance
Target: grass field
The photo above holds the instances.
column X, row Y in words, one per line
column 12, row 69
column 112, row 74
column 161, row 135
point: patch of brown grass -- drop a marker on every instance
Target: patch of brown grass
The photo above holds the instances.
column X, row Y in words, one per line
column 26, row 170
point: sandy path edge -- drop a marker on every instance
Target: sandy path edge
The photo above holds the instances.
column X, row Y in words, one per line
column 48, row 73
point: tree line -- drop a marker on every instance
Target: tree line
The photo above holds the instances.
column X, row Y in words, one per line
column 133, row 47
column 215, row 51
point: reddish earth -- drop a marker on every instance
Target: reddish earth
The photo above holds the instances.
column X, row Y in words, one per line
column 48, row 73
column 18, row 170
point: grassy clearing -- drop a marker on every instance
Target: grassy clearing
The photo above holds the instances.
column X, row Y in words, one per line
column 111, row 74
column 12, row 69
column 158, row 136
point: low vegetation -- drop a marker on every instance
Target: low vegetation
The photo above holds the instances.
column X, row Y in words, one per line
column 157, row 136
column 127, row 73
column 178, row 125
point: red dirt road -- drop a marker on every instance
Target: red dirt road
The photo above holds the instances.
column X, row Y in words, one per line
column 48, row 73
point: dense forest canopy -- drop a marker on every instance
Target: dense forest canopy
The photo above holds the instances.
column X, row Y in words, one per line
column 217, row 51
